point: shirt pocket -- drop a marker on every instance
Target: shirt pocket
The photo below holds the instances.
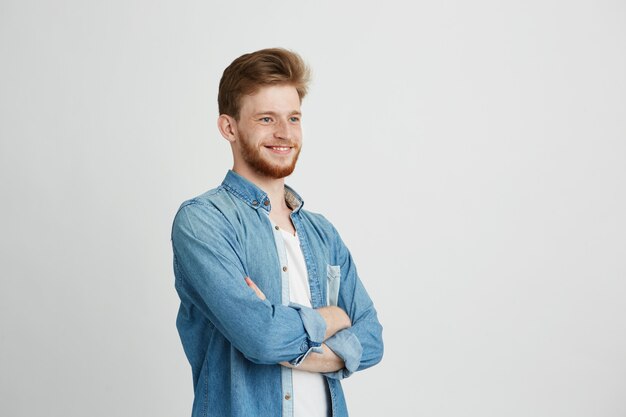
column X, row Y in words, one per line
column 333, row 274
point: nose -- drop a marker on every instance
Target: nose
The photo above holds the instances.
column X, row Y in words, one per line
column 283, row 130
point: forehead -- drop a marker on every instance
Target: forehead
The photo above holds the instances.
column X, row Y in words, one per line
column 274, row 98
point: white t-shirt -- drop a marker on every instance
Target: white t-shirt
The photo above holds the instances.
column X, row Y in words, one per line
column 310, row 397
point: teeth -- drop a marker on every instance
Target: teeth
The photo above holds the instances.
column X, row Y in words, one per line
column 280, row 148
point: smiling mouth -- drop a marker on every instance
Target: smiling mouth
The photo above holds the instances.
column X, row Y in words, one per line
column 279, row 149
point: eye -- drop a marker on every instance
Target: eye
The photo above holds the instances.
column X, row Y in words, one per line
column 265, row 119
column 294, row 119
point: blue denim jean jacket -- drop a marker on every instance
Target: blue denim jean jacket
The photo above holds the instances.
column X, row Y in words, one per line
column 234, row 341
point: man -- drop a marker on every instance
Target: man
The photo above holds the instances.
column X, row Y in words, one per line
column 272, row 313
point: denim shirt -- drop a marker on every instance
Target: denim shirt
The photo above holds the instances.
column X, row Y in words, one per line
column 233, row 340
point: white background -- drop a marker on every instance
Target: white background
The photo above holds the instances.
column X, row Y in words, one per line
column 472, row 154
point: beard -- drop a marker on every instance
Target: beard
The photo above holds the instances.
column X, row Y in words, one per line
column 262, row 165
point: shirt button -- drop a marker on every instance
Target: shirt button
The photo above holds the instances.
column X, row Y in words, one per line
column 266, row 202
column 284, row 269
column 255, row 203
column 276, row 227
column 287, row 397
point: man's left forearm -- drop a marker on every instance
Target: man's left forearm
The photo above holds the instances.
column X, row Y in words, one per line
column 324, row 362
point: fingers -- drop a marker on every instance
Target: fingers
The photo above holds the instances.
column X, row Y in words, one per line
column 256, row 289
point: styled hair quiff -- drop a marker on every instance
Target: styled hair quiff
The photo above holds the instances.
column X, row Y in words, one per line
column 246, row 74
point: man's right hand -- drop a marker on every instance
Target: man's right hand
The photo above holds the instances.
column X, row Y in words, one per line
column 256, row 289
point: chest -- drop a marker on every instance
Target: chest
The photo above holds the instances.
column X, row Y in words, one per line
column 266, row 261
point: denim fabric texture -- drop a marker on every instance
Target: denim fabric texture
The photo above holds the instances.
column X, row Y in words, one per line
column 232, row 339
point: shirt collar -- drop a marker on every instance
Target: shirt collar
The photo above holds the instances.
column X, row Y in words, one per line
column 254, row 196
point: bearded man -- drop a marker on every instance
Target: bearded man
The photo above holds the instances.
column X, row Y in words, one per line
column 272, row 312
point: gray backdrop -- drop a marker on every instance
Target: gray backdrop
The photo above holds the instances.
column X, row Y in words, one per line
column 472, row 154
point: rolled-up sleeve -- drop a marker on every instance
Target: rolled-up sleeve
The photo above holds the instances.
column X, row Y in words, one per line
column 315, row 327
column 346, row 345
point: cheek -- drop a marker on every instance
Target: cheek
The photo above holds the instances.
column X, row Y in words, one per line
column 260, row 132
column 253, row 135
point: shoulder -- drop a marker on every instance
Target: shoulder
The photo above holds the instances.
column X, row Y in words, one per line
column 316, row 218
column 320, row 224
column 214, row 197
column 205, row 210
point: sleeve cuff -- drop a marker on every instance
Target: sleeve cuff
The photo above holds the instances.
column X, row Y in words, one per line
column 347, row 346
column 315, row 327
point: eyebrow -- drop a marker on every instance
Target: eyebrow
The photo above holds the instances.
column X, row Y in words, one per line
column 273, row 113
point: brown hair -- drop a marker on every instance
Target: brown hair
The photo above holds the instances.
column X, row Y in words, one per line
column 246, row 74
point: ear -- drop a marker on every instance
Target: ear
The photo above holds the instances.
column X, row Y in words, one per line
column 227, row 126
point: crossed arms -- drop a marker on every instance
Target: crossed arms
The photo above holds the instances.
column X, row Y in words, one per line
column 336, row 319
column 209, row 259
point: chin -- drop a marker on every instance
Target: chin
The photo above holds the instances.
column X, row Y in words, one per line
column 277, row 172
